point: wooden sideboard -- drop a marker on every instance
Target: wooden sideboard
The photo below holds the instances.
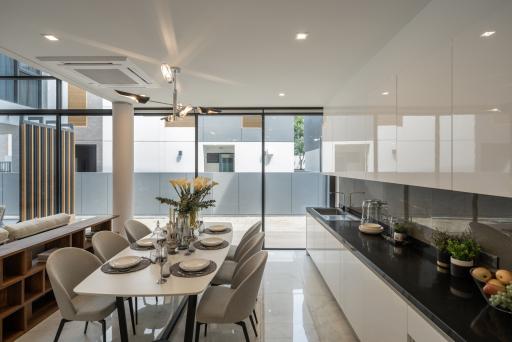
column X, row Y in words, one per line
column 26, row 296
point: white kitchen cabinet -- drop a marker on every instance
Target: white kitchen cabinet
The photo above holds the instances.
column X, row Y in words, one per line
column 482, row 119
column 453, row 123
column 386, row 318
column 420, row 330
column 325, row 250
column 313, row 238
column 375, row 312
column 353, row 295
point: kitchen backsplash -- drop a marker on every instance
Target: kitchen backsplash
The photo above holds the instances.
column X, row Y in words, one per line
column 488, row 217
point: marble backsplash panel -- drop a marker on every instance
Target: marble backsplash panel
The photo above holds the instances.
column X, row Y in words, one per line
column 488, row 217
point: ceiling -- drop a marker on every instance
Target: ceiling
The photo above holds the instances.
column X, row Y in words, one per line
column 232, row 52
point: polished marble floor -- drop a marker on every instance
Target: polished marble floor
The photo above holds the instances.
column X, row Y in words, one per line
column 294, row 305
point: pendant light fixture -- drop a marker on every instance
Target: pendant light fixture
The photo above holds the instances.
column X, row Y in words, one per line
column 179, row 110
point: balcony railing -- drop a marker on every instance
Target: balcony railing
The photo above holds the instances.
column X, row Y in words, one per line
column 5, row 166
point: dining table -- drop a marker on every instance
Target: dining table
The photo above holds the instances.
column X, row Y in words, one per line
column 143, row 283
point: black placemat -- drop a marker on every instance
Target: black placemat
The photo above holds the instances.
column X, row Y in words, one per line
column 208, row 231
column 106, row 268
column 199, row 245
column 176, row 271
column 136, row 247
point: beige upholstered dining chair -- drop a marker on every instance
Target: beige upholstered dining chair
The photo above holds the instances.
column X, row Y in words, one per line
column 135, row 230
column 235, row 250
column 106, row 245
column 224, row 305
column 64, row 276
column 228, row 267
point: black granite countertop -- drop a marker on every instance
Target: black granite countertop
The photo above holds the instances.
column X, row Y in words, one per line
column 454, row 305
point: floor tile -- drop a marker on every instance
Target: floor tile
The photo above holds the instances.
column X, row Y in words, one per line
column 294, row 305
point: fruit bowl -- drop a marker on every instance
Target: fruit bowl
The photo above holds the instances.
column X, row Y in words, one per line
column 480, row 284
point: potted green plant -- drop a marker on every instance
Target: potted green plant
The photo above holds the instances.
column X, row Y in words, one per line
column 400, row 231
column 440, row 239
column 463, row 252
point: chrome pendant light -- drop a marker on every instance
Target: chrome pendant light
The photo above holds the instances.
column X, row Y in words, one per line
column 179, row 110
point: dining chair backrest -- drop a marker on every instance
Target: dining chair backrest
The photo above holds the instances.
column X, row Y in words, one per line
column 135, row 230
column 66, row 268
column 253, row 246
column 106, row 244
column 246, row 284
column 255, row 228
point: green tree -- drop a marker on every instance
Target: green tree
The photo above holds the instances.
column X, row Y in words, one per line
column 298, row 139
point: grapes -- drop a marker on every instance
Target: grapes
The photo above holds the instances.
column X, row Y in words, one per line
column 503, row 299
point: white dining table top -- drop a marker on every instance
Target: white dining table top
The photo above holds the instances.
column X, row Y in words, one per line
column 143, row 283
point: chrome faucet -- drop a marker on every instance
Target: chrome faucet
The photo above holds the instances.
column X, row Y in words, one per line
column 342, row 207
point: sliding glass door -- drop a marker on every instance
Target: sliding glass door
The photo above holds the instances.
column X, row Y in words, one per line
column 229, row 152
column 292, row 177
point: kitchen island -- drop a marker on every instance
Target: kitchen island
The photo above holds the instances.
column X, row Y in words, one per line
column 393, row 293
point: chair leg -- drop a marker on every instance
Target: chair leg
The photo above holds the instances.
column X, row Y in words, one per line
column 246, row 333
column 156, row 299
column 104, row 329
column 253, row 326
column 198, row 330
column 136, row 310
column 130, row 306
column 205, row 329
column 59, row 330
column 255, row 317
column 85, row 329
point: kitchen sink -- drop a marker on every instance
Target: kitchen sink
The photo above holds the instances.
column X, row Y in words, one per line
column 335, row 214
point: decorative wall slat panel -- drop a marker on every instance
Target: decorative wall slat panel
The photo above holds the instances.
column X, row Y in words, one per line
column 38, row 151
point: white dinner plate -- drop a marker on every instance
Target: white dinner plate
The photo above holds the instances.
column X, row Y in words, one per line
column 217, row 228
column 211, row 242
column 194, row 265
column 145, row 242
column 125, row 261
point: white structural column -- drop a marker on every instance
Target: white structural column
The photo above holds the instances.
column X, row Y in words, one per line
column 122, row 168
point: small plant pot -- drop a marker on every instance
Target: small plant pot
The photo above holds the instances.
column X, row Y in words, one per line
column 399, row 237
column 460, row 268
column 443, row 259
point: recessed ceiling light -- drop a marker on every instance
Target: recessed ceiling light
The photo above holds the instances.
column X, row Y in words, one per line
column 282, row 94
column 301, row 36
column 385, row 93
column 487, row 34
column 494, row 110
column 50, row 37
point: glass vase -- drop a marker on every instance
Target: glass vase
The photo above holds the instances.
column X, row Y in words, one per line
column 185, row 233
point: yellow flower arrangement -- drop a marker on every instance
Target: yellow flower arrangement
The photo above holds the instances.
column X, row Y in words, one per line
column 191, row 195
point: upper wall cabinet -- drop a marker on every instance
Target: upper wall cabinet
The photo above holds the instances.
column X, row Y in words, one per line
column 482, row 100
column 423, row 87
column 433, row 107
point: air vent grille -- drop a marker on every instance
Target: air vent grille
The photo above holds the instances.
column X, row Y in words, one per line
column 107, row 76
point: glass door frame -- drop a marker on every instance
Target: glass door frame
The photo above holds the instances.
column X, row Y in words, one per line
column 262, row 112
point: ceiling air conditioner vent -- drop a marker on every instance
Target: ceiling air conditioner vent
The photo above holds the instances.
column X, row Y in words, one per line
column 103, row 71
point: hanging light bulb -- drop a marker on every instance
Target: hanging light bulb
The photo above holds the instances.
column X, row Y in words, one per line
column 167, row 72
column 185, row 111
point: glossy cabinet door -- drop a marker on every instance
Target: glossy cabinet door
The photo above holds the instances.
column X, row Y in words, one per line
column 482, row 93
column 333, row 264
column 386, row 314
column 353, row 294
column 313, row 238
column 419, row 330
column 452, row 64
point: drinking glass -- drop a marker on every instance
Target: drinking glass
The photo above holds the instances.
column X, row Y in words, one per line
column 162, row 259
